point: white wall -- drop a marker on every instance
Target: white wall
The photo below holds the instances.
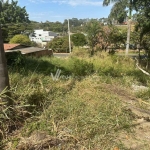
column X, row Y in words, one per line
column 41, row 36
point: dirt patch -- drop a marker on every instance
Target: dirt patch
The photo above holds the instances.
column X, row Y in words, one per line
column 123, row 93
column 37, row 141
column 139, row 136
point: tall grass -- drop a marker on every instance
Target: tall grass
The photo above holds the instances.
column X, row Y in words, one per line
column 74, row 114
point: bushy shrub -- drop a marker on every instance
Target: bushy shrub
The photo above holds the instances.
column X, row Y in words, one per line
column 79, row 39
column 59, row 44
column 21, row 39
column 82, row 52
column 81, row 67
column 15, row 59
column 36, row 100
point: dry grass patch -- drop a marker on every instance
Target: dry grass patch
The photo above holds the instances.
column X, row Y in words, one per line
column 85, row 117
column 86, row 111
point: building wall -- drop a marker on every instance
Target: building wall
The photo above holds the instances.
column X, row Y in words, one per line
column 40, row 53
column 41, row 36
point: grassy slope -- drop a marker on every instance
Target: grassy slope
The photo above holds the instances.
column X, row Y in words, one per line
column 84, row 111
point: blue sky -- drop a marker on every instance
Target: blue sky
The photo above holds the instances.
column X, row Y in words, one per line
column 58, row 10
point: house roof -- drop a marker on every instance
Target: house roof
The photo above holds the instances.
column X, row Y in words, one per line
column 10, row 46
column 27, row 50
column 52, row 33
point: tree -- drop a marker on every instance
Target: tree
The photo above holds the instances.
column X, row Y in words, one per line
column 118, row 11
column 13, row 18
column 129, row 4
column 143, row 24
column 93, row 28
column 78, row 39
column 110, row 36
column 9, row 13
column 59, row 44
column 142, row 17
column 21, row 39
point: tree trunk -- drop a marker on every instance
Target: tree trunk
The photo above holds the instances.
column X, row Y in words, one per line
column 128, row 36
column 129, row 26
column 4, row 79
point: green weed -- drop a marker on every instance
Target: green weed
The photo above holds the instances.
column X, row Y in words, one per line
column 80, row 114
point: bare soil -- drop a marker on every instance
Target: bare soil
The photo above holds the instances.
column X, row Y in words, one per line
column 139, row 136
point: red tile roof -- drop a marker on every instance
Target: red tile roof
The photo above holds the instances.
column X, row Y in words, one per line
column 10, row 46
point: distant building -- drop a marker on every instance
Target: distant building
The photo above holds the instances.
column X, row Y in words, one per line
column 27, row 50
column 42, row 37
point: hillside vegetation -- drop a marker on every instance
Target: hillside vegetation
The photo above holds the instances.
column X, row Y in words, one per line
column 80, row 102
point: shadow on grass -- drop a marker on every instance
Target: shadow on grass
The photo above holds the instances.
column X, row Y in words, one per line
column 38, row 66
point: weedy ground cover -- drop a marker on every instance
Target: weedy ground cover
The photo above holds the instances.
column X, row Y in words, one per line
column 84, row 111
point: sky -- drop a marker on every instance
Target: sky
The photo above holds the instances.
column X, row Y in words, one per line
column 59, row 10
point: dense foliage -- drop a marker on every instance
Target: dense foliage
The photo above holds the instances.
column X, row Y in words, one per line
column 21, row 39
column 142, row 17
column 12, row 18
column 111, row 36
column 78, row 39
column 93, row 28
column 12, row 13
column 118, row 12
column 59, row 44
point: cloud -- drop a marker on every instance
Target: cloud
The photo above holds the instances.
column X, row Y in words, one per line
column 71, row 2
column 41, row 16
column 33, row 15
column 39, row 1
column 82, row 2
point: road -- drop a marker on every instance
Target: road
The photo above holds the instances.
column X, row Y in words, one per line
column 133, row 55
column 65, row 55
column 129, row 55
column 61, row 55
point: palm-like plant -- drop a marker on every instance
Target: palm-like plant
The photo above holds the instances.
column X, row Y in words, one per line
column 118, row 11
column 93, row 29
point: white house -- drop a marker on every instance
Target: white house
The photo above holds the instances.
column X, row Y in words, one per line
column 42, row 37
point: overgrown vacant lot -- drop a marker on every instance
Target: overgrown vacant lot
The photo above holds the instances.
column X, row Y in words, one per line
column 89, row 105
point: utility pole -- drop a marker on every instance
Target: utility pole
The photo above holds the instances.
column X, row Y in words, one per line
column 69, row 37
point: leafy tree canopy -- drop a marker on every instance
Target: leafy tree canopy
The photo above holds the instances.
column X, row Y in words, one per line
column 143, row 22
column 10, row 12
column 21, row 39
column 78, row 39
column 13, row 19
column 59, row 44
column 118, row 11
